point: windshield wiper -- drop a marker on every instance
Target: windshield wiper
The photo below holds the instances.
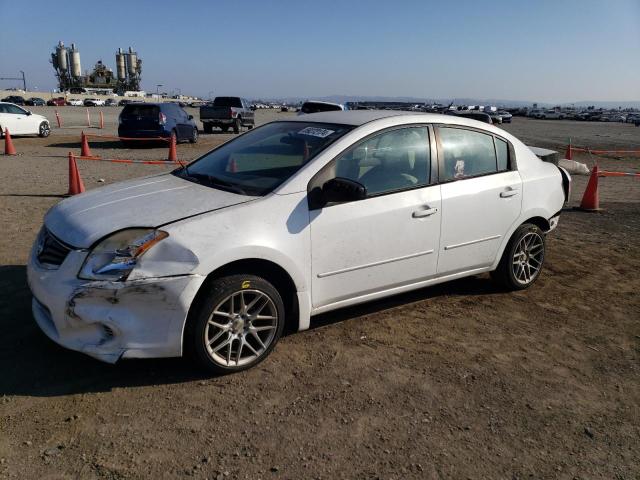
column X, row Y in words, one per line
column 214, row 181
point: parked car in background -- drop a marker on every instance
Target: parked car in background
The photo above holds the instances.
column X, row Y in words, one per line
column 22, row 122
column 156, row 120
column 506, row 116
column 535, row 113
column 551, row 115
column 110, row 102
column 226, row 112
column 313, row 106
column 632, row 117
column 15, row 99
column 75, row 102
column 616, row 117
column 295, row 218
column 57, row 102
column 35, row 102
column 93, row 102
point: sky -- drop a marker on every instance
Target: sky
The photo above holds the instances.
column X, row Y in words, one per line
column 545, row 50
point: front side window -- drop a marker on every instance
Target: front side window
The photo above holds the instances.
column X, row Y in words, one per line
column 394, row 160
column 15, row 110
column 466, row 153
column 260, row 160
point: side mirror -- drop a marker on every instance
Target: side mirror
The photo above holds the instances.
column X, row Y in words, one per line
column 190, row 117
column 337, row 190
column 28, row 112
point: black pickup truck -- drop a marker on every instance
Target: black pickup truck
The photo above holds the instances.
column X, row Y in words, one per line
column 227, row 112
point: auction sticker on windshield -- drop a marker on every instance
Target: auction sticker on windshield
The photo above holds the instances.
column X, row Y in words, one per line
column 316, row 132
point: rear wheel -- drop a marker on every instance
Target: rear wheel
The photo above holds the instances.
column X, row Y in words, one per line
column 208, row 128
column 44, row 130
column 194, row 136
column 238, row 324
column 236, row 125
column 523, row 258
column 224, row 128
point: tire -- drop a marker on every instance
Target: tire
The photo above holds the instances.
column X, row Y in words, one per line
column 1, row 131
column 236, row 125
column 194, row 136
column 216, row 346
column 250, row 126
column 208, row 128
column 224, row 128
column 44, row 130
column 523, row 258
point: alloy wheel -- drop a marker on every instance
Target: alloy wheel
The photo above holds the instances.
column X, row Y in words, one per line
column 527, row 258
column 241, row 328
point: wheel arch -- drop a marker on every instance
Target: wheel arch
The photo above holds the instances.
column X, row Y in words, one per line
column 267, row 269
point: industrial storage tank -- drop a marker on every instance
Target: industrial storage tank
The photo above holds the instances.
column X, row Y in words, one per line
column 121, row 65
column 74, row 60
column 132, row 62
column 62, row 57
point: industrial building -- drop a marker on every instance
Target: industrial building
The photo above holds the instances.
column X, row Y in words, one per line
column 66, row 63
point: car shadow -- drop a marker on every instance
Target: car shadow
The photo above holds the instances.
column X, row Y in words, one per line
column 33, row 365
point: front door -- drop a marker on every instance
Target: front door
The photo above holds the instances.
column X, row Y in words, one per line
column 390, row 238
column 481, row 198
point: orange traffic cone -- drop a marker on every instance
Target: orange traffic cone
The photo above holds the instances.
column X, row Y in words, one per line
column 591, row 199
column 85, row 151
column 9, row 149
column 173, row 155
column 75, row 181
column 101, row 120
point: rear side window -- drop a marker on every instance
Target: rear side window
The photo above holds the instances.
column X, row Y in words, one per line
column 227, row 102
column 314, row 107
column 502, row 151
column 466, row 153
column 144, row 111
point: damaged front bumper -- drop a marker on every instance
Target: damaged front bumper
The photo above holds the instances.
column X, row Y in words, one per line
column 111, row 320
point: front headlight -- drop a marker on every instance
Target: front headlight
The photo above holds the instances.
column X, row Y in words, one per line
column 117, row 255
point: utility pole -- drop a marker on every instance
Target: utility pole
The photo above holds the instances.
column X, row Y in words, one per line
column 24, row 81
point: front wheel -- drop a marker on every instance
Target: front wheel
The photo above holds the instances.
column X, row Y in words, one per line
column 238, row 324
column 44, row 130
column 522, row 260
column 236, row 125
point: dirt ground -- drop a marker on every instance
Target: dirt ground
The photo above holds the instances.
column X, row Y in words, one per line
column 458, row 381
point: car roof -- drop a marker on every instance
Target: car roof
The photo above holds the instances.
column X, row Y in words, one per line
column 348, row 117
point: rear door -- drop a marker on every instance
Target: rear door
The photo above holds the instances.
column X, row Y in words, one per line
column 136, row 117
column 481, row 197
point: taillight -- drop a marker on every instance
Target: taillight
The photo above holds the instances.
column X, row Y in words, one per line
column 231, row 112
column 162, row 118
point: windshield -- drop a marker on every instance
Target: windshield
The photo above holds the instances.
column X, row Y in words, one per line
column 260, row 160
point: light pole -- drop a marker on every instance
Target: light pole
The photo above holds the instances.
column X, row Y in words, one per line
column 158, row 88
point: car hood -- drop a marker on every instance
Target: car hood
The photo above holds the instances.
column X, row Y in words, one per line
column 143, row 202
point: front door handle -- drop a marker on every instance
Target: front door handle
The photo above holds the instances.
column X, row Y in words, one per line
column 424, row 213
column 508, row 193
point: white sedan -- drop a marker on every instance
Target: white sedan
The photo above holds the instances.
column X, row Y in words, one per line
column 75, row 102
column 22, row 122
column 292, row 219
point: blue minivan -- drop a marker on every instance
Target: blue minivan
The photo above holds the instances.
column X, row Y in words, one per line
column 156, row 120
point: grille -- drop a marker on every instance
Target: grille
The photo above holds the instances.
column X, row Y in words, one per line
column 51, row 251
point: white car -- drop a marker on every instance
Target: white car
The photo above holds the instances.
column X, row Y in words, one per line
column 291, row 219
column 22, row 122
column 75, row 102
column 551, row 115
column 93, row 102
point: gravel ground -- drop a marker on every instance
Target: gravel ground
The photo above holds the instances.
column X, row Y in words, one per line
column 454, row 381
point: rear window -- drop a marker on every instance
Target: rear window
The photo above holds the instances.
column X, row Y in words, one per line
column 144, row 111
column 227, row 102
column 315, row 107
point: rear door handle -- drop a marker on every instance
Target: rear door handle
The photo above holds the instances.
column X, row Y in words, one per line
column 424, row 213
column 508, row 193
